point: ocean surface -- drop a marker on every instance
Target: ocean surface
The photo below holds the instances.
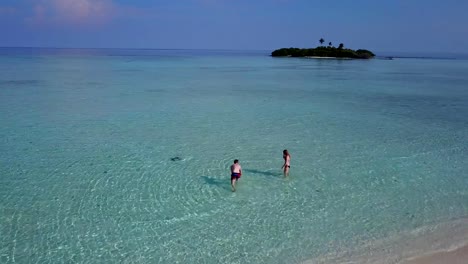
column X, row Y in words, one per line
column 122, row 156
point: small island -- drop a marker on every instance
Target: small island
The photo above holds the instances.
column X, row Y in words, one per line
column 324, row 52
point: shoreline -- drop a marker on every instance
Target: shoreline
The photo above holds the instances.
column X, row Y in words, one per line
column 318, row 57
column 445, row 242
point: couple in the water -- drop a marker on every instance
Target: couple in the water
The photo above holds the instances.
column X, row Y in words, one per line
column 236, row 169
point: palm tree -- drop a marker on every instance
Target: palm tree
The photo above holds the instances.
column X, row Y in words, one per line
column 341, row 46
column 330, row 44
column 321, row 41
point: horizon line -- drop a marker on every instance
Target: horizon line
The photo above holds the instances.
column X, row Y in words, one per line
column 115, row 48
column 378, row 53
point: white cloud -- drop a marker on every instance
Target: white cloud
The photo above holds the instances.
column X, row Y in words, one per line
column 81, row 11
column 76, row 12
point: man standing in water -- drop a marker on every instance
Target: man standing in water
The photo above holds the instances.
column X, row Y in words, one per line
column 236, row 173
column 287, row 162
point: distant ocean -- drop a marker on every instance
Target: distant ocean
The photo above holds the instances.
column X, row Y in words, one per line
column 122, row 156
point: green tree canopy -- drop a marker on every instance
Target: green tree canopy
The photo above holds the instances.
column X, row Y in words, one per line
column 321, row 51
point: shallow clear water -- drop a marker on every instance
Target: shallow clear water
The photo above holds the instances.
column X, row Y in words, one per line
column 87, row 137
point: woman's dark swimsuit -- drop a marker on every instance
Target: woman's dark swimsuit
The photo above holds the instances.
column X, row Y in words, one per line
column 235, row 176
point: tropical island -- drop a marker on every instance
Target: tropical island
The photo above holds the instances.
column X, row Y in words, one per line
column 324, row 52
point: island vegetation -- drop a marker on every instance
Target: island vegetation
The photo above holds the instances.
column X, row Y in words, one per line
column 324, row 51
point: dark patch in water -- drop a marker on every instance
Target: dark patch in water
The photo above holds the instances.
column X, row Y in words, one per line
column 222, row 183
column 176, row 159
column 410, row 215
column 129, row 70
column 403, row 73
column 105, row 172
column 20, row 82
column 266, row 173
column 230, row 69
column 155, row 90
column 93, row 83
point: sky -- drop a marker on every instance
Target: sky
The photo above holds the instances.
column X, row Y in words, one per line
column 378, row 25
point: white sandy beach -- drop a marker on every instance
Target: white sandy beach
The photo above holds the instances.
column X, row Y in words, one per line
column 436, row 244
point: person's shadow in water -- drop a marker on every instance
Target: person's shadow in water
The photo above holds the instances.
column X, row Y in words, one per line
column 221, row 183
column 266, row 173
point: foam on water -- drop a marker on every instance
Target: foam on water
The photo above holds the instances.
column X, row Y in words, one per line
column 88, row 147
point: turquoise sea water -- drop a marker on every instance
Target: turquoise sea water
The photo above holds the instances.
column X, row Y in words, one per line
column 86, row 140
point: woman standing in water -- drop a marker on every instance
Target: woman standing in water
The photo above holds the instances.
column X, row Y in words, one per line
column 286, row 165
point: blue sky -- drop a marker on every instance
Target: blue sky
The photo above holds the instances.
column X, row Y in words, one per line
column 393, row 25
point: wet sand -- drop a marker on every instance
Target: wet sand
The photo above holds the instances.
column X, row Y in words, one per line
column 457, row 256
column 445, row 243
